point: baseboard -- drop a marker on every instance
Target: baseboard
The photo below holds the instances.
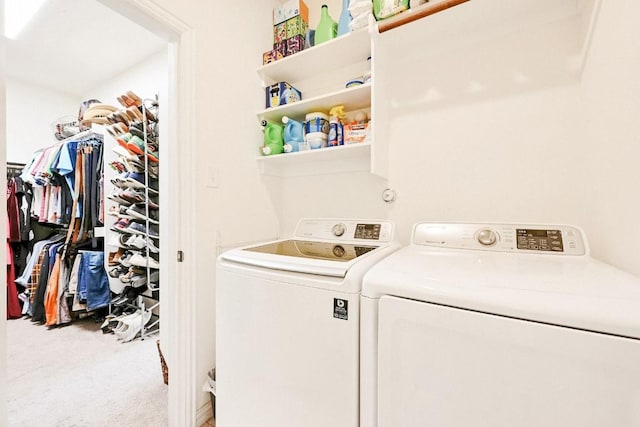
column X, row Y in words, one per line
column 204, row 413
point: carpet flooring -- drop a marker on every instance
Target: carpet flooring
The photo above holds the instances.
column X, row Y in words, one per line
column 76, row 376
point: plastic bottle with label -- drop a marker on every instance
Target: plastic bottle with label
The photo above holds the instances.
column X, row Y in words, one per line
column 327, row 27
column 345, row 18
column 335, row 126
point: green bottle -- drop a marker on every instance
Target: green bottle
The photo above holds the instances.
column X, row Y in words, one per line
column 327, row 27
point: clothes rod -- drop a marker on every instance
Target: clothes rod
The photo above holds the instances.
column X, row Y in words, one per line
column 418, row 13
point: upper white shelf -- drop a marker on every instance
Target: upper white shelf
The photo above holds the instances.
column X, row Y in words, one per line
column 331, row 54
column 353, row 98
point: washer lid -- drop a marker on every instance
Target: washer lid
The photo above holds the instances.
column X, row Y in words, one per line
column 302, row 256
column 578, row 292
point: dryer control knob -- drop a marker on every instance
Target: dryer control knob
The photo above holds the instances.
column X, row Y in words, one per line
column 338, row 230
column 487, row 237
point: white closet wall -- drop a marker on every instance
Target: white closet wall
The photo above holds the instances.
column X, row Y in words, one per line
column 146, row 78
column 30, row 111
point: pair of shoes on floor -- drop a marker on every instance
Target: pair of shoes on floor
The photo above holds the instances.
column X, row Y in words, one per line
column 129, row 327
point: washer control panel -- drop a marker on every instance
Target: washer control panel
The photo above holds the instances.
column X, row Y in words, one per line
column 346, row 230
column 520, row 238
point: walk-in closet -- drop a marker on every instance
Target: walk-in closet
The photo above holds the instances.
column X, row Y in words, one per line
column 85, row 336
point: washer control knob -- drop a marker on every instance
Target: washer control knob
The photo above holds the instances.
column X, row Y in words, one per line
column 487, row 237
column 338, row 230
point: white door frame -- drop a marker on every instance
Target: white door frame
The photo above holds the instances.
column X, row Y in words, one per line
column 178, row 225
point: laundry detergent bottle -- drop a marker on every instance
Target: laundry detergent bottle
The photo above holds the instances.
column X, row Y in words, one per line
column 273, row 138
column 336, row 129
column 345, row 18
column 327, row 27
column 293, row 134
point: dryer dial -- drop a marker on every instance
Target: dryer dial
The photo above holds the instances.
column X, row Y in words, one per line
column 487, row 237
column 338, row 229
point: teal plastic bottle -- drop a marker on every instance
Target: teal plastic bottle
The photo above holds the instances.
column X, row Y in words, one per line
column 345, row 18
column 327, row 27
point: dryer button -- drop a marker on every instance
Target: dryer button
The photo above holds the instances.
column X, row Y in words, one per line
column 487, row 237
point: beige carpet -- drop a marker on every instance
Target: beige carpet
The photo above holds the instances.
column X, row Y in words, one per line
column 76, row 376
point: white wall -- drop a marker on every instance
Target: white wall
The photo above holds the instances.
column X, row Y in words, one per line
column 30, row 111
column 147, row 78
column 506, row 129
column 3, row 232
column 610, row 197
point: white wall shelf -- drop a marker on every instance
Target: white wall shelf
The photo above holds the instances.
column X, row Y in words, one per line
column 320, row 72
column 328, row 55
column 345, row 158
column 354, row 98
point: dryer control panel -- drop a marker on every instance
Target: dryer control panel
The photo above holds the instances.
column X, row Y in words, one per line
column 520, row 238
column 339, row 229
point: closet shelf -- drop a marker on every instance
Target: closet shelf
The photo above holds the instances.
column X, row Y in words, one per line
column 353, row 98
column 344, row 158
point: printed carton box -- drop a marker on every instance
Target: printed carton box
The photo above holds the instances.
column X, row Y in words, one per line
column 290, row 9
column 281, row 93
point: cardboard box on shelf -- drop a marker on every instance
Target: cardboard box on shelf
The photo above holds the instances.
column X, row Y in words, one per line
column 290, row 9
column 355, row 132
column 294, row 45
column 296, row 26
column 271, row 56
column 281, row 49
column 279, row 32
column 281, row 93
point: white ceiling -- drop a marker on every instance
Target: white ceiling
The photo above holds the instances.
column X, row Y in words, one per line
column 74, row 45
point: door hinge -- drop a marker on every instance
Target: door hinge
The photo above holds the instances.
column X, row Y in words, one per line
column 180, row 256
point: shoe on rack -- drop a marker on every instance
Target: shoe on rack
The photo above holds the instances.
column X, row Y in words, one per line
column 117, row 129
column 123, row 139
column 136, row 100
column 121, row 225
column 123, row 153
column 136, row 242
column 144, row 261
column 152, row 246
column 137, row 228
column 120, row 180
column 116, row 197
column 131, row 272
column 139, row 211
column 136, row 130
column 135, row 180
column 118, row 270
column 153, row 231
column 132, row 196
column 152, row 152
column 153, row 204
column 114, row 257
column 136, row 145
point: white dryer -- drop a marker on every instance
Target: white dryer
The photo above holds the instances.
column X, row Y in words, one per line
column 288, row 325
column 499, row 325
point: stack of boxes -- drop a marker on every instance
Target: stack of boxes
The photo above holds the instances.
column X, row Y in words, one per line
column 290, row 24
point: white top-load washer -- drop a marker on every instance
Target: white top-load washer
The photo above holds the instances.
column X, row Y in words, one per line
column 499, row 325
column 288, row 324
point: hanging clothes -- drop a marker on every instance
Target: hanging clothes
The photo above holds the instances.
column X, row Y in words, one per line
column 14, row 311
